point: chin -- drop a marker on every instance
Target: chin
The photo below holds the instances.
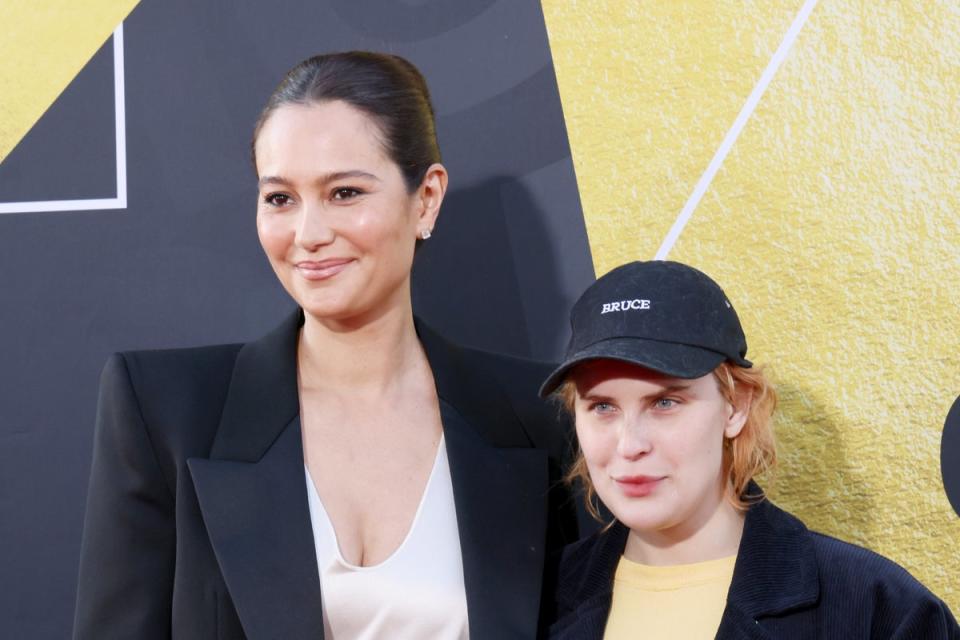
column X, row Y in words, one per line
column 329, row 311
column 645, row 520
column 323, row 304
column 641, row 514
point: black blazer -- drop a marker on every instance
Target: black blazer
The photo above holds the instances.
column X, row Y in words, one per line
column 789, row 583
column 197, row 522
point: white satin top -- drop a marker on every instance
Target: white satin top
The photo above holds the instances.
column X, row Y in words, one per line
column 417, row 592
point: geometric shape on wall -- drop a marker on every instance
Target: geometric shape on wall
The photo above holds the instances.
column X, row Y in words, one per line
column 407, row 21
column 119, row 201
column 44, row 46
column 731, row 137
column 950, row 456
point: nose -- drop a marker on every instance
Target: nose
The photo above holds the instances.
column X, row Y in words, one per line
column 313, row 228
column 634, row 439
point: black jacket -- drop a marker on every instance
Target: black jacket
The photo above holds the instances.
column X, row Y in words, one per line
column 197, row 522
column 789, row 583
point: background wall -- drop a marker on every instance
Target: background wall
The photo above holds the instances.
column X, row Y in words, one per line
column 832, row 224
column 127, row 206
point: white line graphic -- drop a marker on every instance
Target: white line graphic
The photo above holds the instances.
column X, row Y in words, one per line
column 704, row 183
column 120, row 125
column 120, row 116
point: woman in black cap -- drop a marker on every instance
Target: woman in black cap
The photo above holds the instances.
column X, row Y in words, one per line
column 351, row 474
column 673, row 423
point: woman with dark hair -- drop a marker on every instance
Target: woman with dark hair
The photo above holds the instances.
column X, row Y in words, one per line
column 673, row 424
column 351, row 474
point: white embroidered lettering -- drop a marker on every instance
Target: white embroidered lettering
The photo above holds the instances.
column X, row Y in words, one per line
column 625, row 305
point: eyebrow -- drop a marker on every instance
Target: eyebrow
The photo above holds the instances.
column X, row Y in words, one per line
column 671, row 388
column 325, row 178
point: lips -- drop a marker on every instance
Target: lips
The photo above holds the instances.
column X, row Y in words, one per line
column 316, row 270
column 638, row 486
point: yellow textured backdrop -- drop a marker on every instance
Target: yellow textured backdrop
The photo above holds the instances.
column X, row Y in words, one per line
column 833, row 225
column 43, row 46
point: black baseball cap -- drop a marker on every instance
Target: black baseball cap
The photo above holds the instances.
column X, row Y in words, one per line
column 661, row 315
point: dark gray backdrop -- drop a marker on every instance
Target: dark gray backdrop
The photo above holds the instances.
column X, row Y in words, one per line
column 181, row 265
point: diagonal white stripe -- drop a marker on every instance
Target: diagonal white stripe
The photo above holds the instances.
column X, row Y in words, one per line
column 120, row 126
column 704, row 183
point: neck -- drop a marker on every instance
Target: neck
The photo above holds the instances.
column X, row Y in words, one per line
column 712, row 535
column 360, row 355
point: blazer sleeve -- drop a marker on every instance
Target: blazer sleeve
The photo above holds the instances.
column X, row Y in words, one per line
column 127, row 554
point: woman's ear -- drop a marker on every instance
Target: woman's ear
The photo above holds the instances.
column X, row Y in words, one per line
column 430, row 196
column 738, row 412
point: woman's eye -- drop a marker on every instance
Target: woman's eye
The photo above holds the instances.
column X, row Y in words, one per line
column 601, row 407
column 277, row 199
column 665, row 403
column 345, row 193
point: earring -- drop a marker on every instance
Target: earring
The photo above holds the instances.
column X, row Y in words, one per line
column 425, row 234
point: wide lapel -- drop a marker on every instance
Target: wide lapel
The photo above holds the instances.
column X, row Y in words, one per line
column 500, row 489
column 585, row 584
column 252, row 494
column 776, row 571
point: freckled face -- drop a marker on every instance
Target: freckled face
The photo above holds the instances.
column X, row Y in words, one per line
column 334, row 216
column 653, row 444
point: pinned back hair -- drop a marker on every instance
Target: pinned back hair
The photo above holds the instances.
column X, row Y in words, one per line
column 387, row 88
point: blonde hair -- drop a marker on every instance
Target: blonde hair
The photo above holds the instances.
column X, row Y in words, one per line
column 748, row 454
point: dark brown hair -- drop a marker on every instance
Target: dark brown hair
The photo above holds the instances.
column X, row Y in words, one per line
column 387, row 88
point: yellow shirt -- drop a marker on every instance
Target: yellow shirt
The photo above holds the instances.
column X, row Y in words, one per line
column 681, row 602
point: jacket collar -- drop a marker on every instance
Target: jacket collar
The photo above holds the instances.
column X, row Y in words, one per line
column 263, row 396
column 776, row 568
column 500, row 486
column 252, row 492
column 775, row 571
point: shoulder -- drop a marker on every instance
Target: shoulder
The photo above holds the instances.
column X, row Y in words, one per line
column 186, row 374
column 176, row 394
column 503, row 388
column 849, row 569
column 848, row 577
column 897, row 604
column 167, row 366
column 519, row 379
column 845, row 559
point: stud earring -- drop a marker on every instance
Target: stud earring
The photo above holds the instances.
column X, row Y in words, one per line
column 425, row 234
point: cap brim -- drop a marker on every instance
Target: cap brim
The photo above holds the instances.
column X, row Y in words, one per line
column 671, row 359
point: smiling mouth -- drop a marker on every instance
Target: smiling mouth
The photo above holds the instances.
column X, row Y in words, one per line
column 638, row 486
column 322, row 269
